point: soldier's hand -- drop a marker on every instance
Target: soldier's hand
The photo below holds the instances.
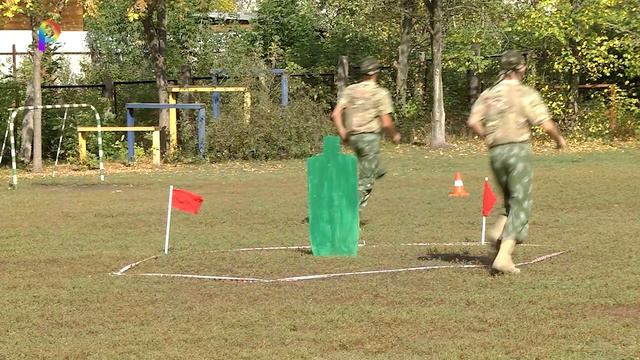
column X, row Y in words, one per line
column 344, row 136
column 561, row 144
column 396, row 138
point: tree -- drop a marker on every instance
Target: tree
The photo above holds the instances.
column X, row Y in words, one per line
column 36, row 11
column 289, row 32
column 408, row 13
column 434, row 8
column 475, row 30
column 153, row 15
column 581, row 41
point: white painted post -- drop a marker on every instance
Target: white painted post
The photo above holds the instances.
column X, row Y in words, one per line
column 166, row 239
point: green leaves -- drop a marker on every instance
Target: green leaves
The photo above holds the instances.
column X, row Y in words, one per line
column 593, row 38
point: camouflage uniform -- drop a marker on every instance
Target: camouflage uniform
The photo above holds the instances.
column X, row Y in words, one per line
column 364, row 103
column 508, row 110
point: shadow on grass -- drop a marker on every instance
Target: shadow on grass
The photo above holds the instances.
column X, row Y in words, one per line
column 463, row 258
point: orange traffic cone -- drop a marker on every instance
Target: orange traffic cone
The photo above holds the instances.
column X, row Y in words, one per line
column 458, row 187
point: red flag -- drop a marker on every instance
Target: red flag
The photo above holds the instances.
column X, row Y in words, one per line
column 488, row 199
column 186, row 201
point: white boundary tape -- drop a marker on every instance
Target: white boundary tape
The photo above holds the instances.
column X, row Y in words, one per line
column 208, row 277
column 269, row 248
column 263, row 248
column 326, row 276
column 458, row 244
column 131, row 266
column 542, row 258
column 318, row 276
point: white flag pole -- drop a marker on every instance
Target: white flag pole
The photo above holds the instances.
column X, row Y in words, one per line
column 166, row 239
column 484, row 218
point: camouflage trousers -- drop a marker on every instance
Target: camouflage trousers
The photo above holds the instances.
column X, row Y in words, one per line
column 513, row 170
column 367, row 149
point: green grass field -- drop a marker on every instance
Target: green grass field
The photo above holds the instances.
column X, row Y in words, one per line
column 62, row 237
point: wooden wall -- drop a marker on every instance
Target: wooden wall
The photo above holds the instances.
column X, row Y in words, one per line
column 71, row 19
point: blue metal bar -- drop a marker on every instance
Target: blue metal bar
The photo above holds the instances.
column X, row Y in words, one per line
column 130, row 134
column 201, row 122
column 215, row 105
column 215, row 97
column 284, row 85
column 201, row 132
column 164, row 106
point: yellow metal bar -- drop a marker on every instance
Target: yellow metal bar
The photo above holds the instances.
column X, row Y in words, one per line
column 117, row 128
column 195, row 88
column 156, row 147
column 82, row 147
column 173, row 127
column 247, row 106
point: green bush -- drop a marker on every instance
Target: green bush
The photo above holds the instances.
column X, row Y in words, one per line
column 273, row 132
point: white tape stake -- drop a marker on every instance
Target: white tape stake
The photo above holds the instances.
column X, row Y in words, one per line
column 484, row 227
column 131, row 266
column 166, row 238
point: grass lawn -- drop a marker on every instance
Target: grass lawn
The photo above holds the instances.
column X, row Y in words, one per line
column 61, row 238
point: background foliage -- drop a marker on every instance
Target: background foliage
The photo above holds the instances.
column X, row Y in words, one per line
column 568, row 44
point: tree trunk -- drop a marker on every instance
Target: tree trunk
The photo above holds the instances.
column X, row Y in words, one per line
column 437, row 39
column 342, row 78
column 26, row 147
column 573, row 94
column 155, row 29
column 187, row 122
column 474, row 86
column 105, row 72
column 37, row 99
column 408, row 8
column 574, row 82
column 574, row 77
column 473, row 80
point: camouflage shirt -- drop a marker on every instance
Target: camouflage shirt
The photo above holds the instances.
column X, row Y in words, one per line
column 364, row 103
column 508, row 110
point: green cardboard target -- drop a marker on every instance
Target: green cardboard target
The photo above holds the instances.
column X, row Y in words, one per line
column 332, row 183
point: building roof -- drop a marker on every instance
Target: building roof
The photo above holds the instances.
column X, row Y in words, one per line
column 218, row 17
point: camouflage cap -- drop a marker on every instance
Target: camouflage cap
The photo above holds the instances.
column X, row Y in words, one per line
column 511, row 60
column 369, row 66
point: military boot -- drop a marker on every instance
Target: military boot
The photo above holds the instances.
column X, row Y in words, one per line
column 365, row 198
column 503, row 261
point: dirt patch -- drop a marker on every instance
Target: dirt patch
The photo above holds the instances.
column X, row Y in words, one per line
column 627, row 311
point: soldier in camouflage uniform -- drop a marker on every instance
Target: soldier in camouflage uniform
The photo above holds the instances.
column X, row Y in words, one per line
column 368, row 109
column 503, row 115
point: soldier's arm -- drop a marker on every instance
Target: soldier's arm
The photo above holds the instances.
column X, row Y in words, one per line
column 475, row 124
column 550, row 128
column 336, row 115
column 389, row 128
column 477, row 115
column 385, row 110
column 538, row 114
